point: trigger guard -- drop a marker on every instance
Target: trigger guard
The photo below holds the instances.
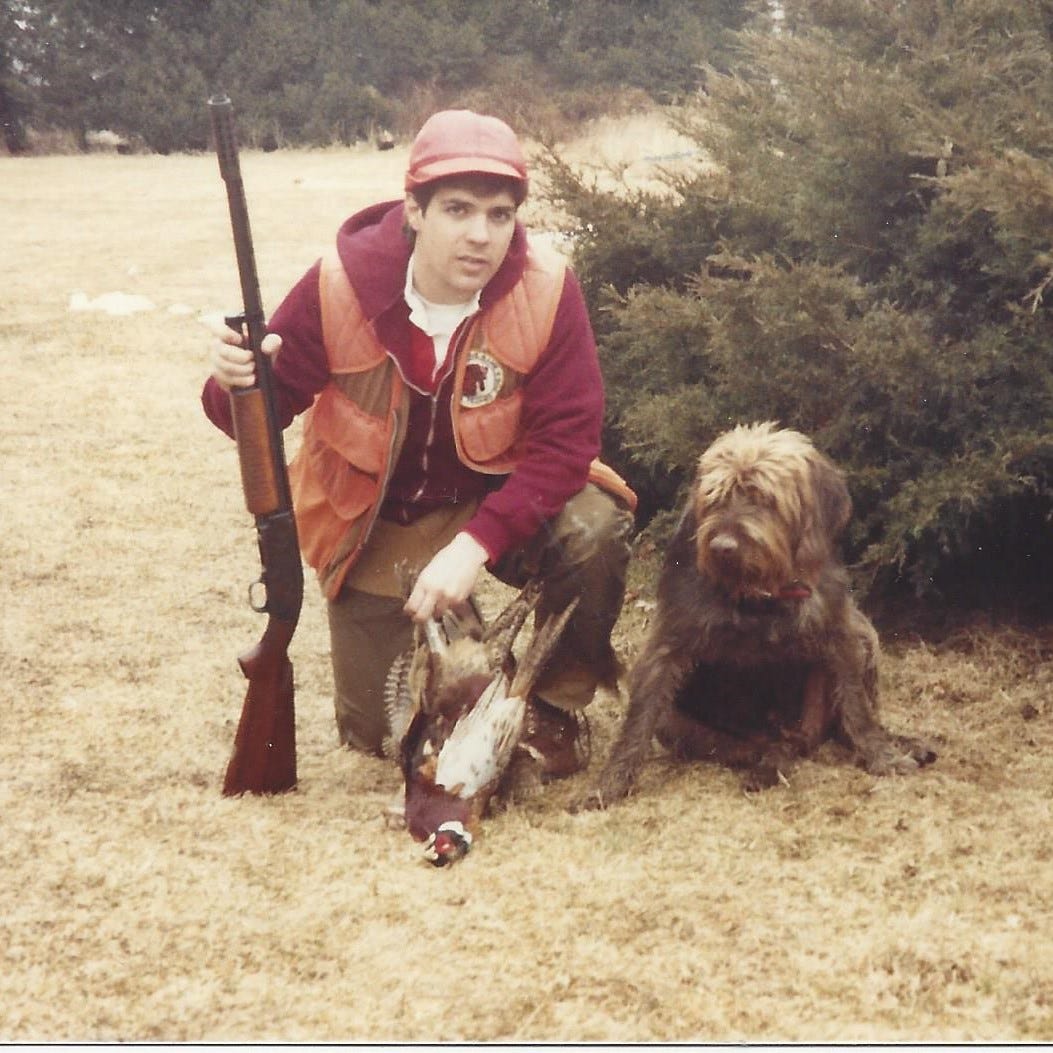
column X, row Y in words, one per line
column 259, row 608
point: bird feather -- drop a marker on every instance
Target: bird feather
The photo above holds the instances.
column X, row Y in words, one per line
column 481, row 743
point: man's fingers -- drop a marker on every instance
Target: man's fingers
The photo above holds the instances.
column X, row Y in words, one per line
column 421, row 611
column 233, row 365
column 447, row 580
column 424, row 603
column 271, row 344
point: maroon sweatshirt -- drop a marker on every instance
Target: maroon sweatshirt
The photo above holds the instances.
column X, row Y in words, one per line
column 562, row 409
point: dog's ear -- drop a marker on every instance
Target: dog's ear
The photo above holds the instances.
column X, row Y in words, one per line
column 826, row 515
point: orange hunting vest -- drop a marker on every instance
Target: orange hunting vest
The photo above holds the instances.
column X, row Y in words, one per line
column 354, row 431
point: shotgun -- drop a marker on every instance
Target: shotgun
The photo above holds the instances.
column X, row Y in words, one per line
column 264, row 756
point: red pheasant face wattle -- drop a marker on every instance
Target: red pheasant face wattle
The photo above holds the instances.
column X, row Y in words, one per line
column 448, row 844
column 445, row 847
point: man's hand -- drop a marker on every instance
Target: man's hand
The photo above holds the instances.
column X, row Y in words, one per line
column 232, row 365
column 448, row 579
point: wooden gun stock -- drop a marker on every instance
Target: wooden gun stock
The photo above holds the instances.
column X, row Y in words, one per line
column 264, row 755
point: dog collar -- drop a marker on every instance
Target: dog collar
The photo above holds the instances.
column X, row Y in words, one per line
column 768, row 601
column 796, row 590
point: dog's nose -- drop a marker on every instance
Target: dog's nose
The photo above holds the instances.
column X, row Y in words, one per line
column 723, row 546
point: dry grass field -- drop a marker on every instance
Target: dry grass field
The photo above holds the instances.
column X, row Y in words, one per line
column 138, row 904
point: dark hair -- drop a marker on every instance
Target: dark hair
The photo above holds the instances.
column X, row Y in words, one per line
column 481, row 183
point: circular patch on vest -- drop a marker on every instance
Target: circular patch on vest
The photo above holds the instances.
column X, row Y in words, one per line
column 483, row 377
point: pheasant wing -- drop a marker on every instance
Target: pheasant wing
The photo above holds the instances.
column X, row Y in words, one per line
column 480, row 745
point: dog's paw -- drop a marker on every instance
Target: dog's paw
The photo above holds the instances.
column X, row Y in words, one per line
column 922, row 753
column 899, row 756
column 593, row 801
column 763, row 776
column 600, row 797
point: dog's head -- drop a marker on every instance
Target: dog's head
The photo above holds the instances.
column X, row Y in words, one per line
column 769, row 507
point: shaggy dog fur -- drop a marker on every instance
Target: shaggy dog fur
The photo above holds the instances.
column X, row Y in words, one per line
column 757, row 652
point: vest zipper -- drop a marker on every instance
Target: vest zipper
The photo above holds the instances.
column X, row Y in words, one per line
column 427, row 444
column 455, row 348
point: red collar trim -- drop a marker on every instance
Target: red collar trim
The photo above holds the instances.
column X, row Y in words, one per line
column 796, row 590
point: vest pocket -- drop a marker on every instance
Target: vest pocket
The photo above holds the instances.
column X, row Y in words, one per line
column 489, row 432
column 347, row 448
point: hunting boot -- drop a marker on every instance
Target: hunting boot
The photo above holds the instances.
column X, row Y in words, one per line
column 557, row 738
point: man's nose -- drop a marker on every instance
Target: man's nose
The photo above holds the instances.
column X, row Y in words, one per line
column 479, row 227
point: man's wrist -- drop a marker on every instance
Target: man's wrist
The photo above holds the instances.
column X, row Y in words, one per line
column 472, row 545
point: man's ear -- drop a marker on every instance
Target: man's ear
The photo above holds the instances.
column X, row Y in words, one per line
column 414, row 214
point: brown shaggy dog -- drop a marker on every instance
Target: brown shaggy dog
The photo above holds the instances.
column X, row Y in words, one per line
column 757, row 652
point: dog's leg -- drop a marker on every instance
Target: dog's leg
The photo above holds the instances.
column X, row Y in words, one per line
column 854, row 697
column 778, row 759
column 655, row 680
column 817, row 714
column 881, row 752
column 689, row 739
column 765, row 763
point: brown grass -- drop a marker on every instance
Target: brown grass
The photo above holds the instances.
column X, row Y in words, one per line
column 139, row 904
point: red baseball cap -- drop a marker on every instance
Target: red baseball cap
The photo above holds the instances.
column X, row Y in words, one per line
column 459, row 142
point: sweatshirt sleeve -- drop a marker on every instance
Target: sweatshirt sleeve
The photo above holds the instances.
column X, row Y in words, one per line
column 301, row 369
column 562, row 419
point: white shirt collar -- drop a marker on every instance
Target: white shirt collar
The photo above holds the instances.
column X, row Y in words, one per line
column 436, row 319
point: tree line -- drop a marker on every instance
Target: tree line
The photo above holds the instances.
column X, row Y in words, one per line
column 314, row 72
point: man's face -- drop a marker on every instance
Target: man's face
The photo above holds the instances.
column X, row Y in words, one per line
column 462, row 239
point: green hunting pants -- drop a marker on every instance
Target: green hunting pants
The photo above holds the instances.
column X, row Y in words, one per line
column 583, row 552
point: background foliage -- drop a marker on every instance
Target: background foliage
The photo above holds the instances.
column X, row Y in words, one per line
column 313, row 72
column 868, row 258
column 868, row 261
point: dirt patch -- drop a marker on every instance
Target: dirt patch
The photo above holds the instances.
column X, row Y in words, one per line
column 139, row 904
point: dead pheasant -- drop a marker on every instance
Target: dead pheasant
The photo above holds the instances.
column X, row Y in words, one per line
column 457, row 706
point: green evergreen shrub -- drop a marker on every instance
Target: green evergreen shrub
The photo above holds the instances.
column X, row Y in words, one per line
column 870, row 263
